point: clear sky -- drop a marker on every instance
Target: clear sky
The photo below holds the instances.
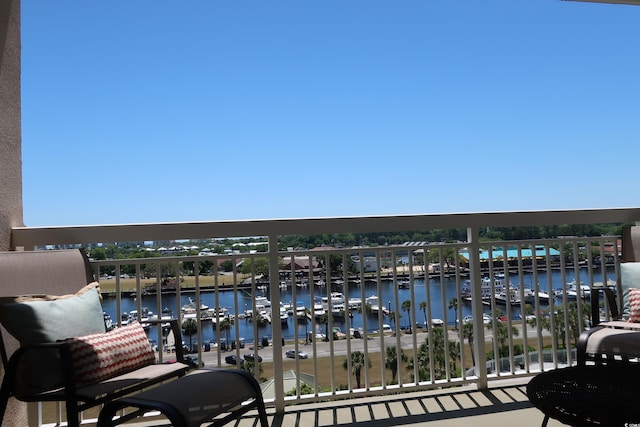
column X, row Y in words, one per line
column 163, row 111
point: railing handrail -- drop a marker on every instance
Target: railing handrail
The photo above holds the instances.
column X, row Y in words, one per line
column 31, row 237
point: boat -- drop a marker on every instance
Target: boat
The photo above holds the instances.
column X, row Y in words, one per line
column 508, row 297
column 318, row 309
column 262, row 301
column 373, row 303
column 403, row 284
column 531, row 295
column 284, row 315
column 108, row 323
column 337, row 299
column 355, row 303
column 301, row 311
column 573, row 291
column 488, row 287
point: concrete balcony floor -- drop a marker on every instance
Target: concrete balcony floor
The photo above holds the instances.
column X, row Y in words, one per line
column 503, row 404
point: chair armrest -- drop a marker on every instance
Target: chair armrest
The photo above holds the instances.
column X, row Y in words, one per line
column 595, row 304
column 63, row 364
column 581, row 347
column 177, row 334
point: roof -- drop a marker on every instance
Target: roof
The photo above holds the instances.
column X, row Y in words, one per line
column 512, row 253
column 290, row 383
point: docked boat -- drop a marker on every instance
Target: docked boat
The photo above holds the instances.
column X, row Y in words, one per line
column 575, row 291
column 355, row 303
column 530, row 296
column 488, row 287
column 508, row 297
column 301, row 311
column 284, row 316
column 319, row 309
column 337, row 299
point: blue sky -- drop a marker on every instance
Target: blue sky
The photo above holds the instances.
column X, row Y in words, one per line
column 156, row 111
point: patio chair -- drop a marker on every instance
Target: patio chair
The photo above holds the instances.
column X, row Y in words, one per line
column 602, row 388
column 53, row 341
column 616, row 340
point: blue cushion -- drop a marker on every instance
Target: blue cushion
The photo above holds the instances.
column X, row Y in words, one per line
column 43, row 319
column 36, row 319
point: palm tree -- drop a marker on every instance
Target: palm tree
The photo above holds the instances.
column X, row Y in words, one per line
column 324, row 320
column 453, row 304
column 423, row 307
column 467, row 332
column 406, row 306
column 358, row 361
column 190, row 328
column 225, row 326
column 391, row 361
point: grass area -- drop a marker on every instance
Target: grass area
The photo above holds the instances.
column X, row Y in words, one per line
column 188, row 282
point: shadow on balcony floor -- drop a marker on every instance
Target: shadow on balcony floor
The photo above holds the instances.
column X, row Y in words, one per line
column 501, row 406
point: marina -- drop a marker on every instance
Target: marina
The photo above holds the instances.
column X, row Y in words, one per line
column 304, row 307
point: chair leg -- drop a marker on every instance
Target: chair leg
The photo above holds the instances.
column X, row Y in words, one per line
column 73, row 416
column 545, row 421
column 5, row 393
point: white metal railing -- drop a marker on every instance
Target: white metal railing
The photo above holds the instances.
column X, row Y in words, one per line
column 461, row 289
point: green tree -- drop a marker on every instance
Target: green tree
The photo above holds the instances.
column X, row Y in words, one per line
column 190, row 328
column 467, row 333
column 324, row 320
column 501, row 335
column 406, row 306
column 251, row 365
column 453, row 304
column 358, row 361
column 423, row 307
column 225, row 327
column 391, row 361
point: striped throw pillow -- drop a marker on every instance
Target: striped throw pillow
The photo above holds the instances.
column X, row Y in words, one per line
column 98, row 357
column 634, row 305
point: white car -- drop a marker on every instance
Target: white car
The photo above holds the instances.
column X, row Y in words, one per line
column 291, row 354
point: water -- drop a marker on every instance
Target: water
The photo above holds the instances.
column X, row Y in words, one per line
column 241, row 301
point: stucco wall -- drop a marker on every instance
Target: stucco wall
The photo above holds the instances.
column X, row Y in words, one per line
column 10, row 152
column 10, row 122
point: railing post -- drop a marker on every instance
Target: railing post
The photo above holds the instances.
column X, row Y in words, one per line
column 276, row 325
column 476, row 303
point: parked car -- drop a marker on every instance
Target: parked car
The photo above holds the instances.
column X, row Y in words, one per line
column 291, row 354
column 232, row 360
column 251, row 357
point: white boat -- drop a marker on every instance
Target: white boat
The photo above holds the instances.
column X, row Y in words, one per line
column 530, row 296
column 355, row 303
column 508, row 297
column 263, row 301
column 284, row 316
column 318, row 309
column 337, row 299
column 573, row 291
column 374, row 305
column 488, row 287
column 301, row 311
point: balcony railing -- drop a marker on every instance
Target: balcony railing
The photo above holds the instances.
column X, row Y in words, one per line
column 375, row 319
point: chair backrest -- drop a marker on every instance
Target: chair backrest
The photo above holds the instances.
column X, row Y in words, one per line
column 44, row 272
column 631, row 243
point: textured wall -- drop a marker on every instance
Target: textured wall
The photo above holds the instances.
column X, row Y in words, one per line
column 10, row 126
column 10, row 153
